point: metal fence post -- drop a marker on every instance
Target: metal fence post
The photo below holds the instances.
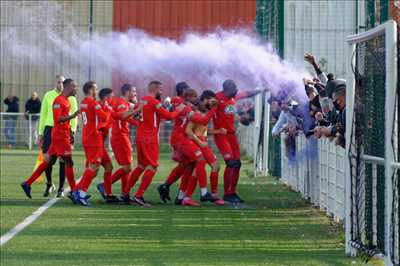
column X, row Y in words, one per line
column 30, row 131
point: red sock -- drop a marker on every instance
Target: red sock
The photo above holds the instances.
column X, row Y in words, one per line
column 191, row 186
column 228, row 180
column 35, row 175
column 187, row 174
column 69, row 172
column 146, row 181
column 175, row 174
column 235, row 179
column 117, row 175
column 133, row 178
column 214, row 182
column 107, row 182
column 87, row 178
column 201, row 174
column 124, row 183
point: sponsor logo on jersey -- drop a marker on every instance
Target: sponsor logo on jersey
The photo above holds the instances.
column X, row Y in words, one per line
column 83, row 105
column 56, row 106
column 97, row 107
column 230, row 109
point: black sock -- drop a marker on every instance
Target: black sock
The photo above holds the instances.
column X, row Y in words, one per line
column 62, row 176
column 48, row 172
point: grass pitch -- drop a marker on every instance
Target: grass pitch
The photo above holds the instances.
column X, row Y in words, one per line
column 276, row 228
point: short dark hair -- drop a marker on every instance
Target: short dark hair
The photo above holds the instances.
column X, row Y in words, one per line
column 154, row 82
column 103, row 93
column 180, row 87
column 207, row 94
column 125, row 88
column 229, row 85
column 189, row 93
column 67, row 82
column 87, row 86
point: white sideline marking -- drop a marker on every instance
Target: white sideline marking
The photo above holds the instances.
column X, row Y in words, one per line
column 28, row 220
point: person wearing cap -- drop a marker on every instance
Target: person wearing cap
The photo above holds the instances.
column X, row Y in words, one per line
column 227, row 142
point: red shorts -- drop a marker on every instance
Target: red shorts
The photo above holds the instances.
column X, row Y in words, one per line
column 209, row 155
column 189, row 150
column 105, row 159
column 93, row 154
column 122, row 149
column 147, row 153
column 228, row 146
column 60, row 147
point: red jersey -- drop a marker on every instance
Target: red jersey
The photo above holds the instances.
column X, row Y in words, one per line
column 149, row 123
column 93, row 117
column 226, row 110
column 61, row 130
column 107, row 124
column 176, row 101
column 225, row 114
column 120, row 127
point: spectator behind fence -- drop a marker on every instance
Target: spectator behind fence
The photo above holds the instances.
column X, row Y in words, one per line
column 32, row 110
column 289, row 124
column 12, row 103
column 321, row 75
column 338, row 129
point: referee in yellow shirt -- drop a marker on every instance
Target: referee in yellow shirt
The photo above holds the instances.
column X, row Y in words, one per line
column 46, row 124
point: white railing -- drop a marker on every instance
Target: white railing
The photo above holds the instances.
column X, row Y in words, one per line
column 317, row 174
column 19, row 129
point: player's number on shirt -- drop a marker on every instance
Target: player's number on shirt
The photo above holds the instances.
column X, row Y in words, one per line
column 84, row 118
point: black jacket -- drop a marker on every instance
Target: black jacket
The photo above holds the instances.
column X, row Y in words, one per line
column 33, row 107
column 12, row 107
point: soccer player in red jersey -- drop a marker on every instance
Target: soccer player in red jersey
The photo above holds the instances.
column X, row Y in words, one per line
column 123, row 115
column 93, row 117
column 227, row 144
column 147, row 146
column 178, row 170
column 198, row 133
column 105, row 188
column 185, row 150
column 61, row 133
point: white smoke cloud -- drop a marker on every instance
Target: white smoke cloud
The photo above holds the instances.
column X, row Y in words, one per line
column 205, row 61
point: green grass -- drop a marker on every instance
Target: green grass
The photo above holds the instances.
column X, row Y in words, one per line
column 276, row 228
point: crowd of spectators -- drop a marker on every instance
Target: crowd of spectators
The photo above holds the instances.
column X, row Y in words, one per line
column 325, row 115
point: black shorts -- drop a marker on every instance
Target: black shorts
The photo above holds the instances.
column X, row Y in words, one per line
column 46, row 138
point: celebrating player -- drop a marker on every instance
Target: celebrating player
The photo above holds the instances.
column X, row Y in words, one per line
column 181, row 146
column 93, row 116
column 198, row 133
column 147, row 146
column 123, row 115
column 105, row 188
column 227, row 144
column 60, row 138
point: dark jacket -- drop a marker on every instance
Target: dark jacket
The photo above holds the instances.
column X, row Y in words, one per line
column 33, row 107
column 12, row 107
